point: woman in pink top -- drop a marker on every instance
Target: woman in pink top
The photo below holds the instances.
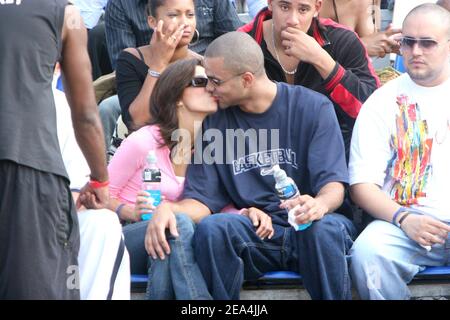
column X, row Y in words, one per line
column 179, row 103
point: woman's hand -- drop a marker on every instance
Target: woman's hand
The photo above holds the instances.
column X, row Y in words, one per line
column 143, row 205
column 163, row 44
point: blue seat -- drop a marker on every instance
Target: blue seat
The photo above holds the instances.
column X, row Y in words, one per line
column 139, row 278
column 273, row 275
column 429, row 272
column 434, row 273
column 294, row 278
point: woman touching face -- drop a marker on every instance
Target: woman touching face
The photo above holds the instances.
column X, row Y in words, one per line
column 173, row 14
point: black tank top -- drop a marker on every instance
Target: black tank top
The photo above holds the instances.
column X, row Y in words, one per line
column 30, row 45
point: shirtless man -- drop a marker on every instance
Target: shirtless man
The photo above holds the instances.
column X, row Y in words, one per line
column 363, row 16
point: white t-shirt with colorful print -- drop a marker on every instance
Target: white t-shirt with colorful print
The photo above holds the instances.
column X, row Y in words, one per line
column 401, row 142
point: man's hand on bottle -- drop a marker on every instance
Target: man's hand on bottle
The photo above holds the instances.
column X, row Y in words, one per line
column 261, row 220
column 155, row 238
column 307, row 208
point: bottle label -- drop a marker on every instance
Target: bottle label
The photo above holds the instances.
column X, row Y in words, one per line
column 151, row 175
column 287, row 192
column 155, row 197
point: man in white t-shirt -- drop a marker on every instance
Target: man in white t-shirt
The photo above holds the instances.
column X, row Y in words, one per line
column 399, row 164
column 103, row 260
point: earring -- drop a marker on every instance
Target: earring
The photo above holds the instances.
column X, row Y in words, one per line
column 196, row 40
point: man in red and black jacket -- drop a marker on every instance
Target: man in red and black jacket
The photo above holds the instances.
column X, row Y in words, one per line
column 300, row 48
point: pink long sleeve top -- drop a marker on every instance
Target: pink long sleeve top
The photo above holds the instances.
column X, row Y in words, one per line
column 125, row 168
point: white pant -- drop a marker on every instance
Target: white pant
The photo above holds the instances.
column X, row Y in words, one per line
column 100, row 237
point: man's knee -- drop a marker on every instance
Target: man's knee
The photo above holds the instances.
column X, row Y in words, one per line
column 110, row 108
column 334, row 226
column 215, row 226
column 368, row 248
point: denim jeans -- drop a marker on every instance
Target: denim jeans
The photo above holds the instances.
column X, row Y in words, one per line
column 109, row 110
column 175, row 277
column 383, row 260
column 228, row 251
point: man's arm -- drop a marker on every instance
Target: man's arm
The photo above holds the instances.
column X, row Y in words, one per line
column 76, row 68
column 371, row 199
column 423, row 229
column 164, row 218
column 368, row 24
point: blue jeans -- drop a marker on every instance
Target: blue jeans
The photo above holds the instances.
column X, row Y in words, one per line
column 383, row 260
column 228, row 251
column 175, row 277
column 109, row 110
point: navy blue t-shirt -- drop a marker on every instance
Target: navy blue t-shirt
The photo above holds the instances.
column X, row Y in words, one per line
column 299, row 131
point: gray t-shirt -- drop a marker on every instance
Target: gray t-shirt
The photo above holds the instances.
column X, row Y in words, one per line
column 30, row 45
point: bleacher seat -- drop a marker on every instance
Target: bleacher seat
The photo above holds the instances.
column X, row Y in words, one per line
column 289, row 277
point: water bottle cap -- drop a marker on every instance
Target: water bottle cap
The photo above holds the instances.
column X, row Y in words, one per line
column 151, row 157
column 278, row 173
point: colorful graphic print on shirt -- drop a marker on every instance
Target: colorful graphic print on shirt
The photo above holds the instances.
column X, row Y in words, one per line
column 410, row 166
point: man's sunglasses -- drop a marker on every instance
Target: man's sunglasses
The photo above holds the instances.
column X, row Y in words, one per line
column 199, row 82
column 424, row 44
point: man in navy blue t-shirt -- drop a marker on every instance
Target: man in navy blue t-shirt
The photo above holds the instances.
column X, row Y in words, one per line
column 262, row 123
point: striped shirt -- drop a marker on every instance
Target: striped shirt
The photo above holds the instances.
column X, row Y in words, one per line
column 127, row 27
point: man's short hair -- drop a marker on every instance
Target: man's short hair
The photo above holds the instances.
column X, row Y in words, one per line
column 440, row 12
column 444, row 4
column 240, row 52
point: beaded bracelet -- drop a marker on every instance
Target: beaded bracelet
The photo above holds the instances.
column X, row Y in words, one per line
column 394, row 218
column 118, row 209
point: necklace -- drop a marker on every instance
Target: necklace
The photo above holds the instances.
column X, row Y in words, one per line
column 278, row 58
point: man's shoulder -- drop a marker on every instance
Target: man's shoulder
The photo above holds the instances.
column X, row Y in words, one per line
column 306, row 96
column 393, row 87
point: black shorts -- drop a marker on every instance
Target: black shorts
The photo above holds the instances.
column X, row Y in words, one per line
column 39, row 235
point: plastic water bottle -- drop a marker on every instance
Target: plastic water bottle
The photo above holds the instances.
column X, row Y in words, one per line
column 286, row 190
column 151, row 182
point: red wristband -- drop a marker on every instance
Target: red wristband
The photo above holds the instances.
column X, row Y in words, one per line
column 97, row 184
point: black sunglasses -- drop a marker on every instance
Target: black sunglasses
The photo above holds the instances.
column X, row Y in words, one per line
column 199, row 82
column 426, row 44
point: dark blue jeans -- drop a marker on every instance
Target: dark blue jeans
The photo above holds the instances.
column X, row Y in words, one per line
column 228, row 251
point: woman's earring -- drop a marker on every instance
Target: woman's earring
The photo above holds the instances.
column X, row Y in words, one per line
column 196, row 37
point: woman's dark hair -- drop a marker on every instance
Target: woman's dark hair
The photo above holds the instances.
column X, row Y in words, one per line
column 152, row 5
column 167, row 92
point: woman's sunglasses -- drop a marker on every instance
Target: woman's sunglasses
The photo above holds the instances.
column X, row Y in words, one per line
column 200, row 82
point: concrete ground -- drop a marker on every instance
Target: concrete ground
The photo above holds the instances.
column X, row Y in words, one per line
column 426, row 290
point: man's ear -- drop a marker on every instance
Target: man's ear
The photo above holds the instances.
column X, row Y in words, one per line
column 269, row 4
column 318, row 6
column 247, row 79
